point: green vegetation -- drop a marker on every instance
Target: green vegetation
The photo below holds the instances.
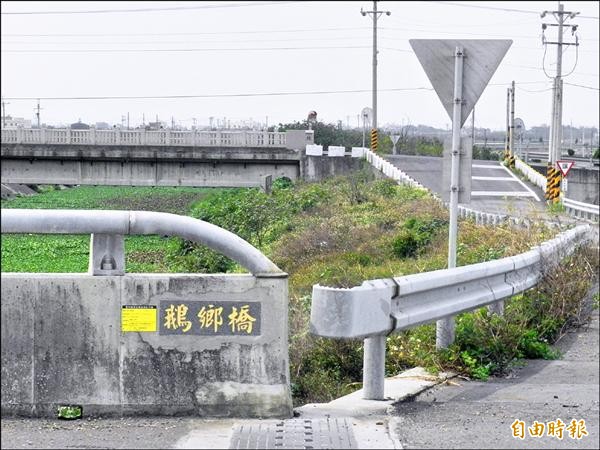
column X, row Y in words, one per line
column 337, row 233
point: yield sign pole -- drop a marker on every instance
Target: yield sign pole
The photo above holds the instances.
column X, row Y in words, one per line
column 445, row 327
column 458, row 82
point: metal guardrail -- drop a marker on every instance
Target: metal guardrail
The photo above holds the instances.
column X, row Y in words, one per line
column 379, row 307
column 581, row 210
column 144, row 137
column 108, row 227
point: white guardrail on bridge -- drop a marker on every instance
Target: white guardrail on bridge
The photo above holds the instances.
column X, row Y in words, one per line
column 573, row 208
column 393, row 172
column 379, row 307
column 144, row 137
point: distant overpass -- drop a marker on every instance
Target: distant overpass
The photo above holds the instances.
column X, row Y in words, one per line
column 152, row 158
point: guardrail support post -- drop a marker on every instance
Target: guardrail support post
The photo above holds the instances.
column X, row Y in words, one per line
column 374, row 368
column 107, row 254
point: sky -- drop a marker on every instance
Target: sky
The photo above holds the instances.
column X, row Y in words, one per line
column 235, row 60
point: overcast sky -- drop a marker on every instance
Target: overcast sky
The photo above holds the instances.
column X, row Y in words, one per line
column 264, row 47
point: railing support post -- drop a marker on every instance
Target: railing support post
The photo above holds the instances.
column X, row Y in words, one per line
column 374, row 368
column 107, row 254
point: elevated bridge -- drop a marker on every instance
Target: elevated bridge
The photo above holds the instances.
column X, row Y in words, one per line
column 151, row 158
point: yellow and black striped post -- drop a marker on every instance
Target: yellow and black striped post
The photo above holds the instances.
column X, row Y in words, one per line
column 511, row 161
column 553, row 178
column 374, row 140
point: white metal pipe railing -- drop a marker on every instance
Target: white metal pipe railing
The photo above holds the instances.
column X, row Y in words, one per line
column 57, row 221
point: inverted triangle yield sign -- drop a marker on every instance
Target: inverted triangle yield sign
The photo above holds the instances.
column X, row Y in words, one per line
column 565, row 166
column 481, row 59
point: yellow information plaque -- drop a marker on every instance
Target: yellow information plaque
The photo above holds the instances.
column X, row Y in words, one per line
column 138, row 318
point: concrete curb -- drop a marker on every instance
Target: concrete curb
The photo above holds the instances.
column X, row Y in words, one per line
column 397, row 388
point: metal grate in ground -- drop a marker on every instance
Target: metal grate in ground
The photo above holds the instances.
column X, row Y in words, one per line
column 324, row 433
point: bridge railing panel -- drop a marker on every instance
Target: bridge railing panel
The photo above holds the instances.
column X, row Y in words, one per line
column 130, row 137
column 58, row 136
column 180, row 138
column 9, row 136
column 106, row 137
column 80, row 137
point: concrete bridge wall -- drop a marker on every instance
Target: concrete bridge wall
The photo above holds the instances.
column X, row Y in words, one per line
column 145, row 166
column 62, row 343
column 583, row 183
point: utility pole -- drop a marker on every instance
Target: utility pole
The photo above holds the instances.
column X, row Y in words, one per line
column 375, row 16
column 507, row 139
column 128, row 120
column 511, row 144
column 553, row 177
column 144, row 120
column 473, row 126
column 4, row 113
column 38, row 113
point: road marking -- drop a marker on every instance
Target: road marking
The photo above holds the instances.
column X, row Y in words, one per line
column 494, row 178
column 502, row 194
column 487, row 166
column 533, row 194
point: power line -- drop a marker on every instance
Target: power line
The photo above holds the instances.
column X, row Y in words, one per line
column 149, row 97
column 173, row 8
column 237, row 41
column 144, row 50
column 582, row 86
column 502, row 9
column 187, row 33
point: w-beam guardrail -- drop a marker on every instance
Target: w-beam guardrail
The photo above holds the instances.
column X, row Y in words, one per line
column 144, row 137
column 120, row 343
column 379, row 307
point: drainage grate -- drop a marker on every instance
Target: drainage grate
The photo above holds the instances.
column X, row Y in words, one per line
column 294, row 434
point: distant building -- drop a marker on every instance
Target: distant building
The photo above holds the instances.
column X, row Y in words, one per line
column 102, row 126
column 10, row 122
column 156, row 125
column 79, row 126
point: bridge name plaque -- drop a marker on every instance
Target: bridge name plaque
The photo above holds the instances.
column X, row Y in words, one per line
column 206, row 318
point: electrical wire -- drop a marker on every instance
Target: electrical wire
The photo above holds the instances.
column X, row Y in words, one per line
column 173, row 8
column 302, row 30
column 217, row 95
column 582, row 86
column 145, row 50
column 503, row 9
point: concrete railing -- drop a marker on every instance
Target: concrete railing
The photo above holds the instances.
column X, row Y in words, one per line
column 119, row 343
column 574, row 208
column 379, row 307
column 388, row 169
column 581, row 210
column 531, row 174
column 145, row 137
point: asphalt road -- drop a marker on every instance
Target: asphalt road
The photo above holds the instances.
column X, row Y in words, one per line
column 479, row 415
